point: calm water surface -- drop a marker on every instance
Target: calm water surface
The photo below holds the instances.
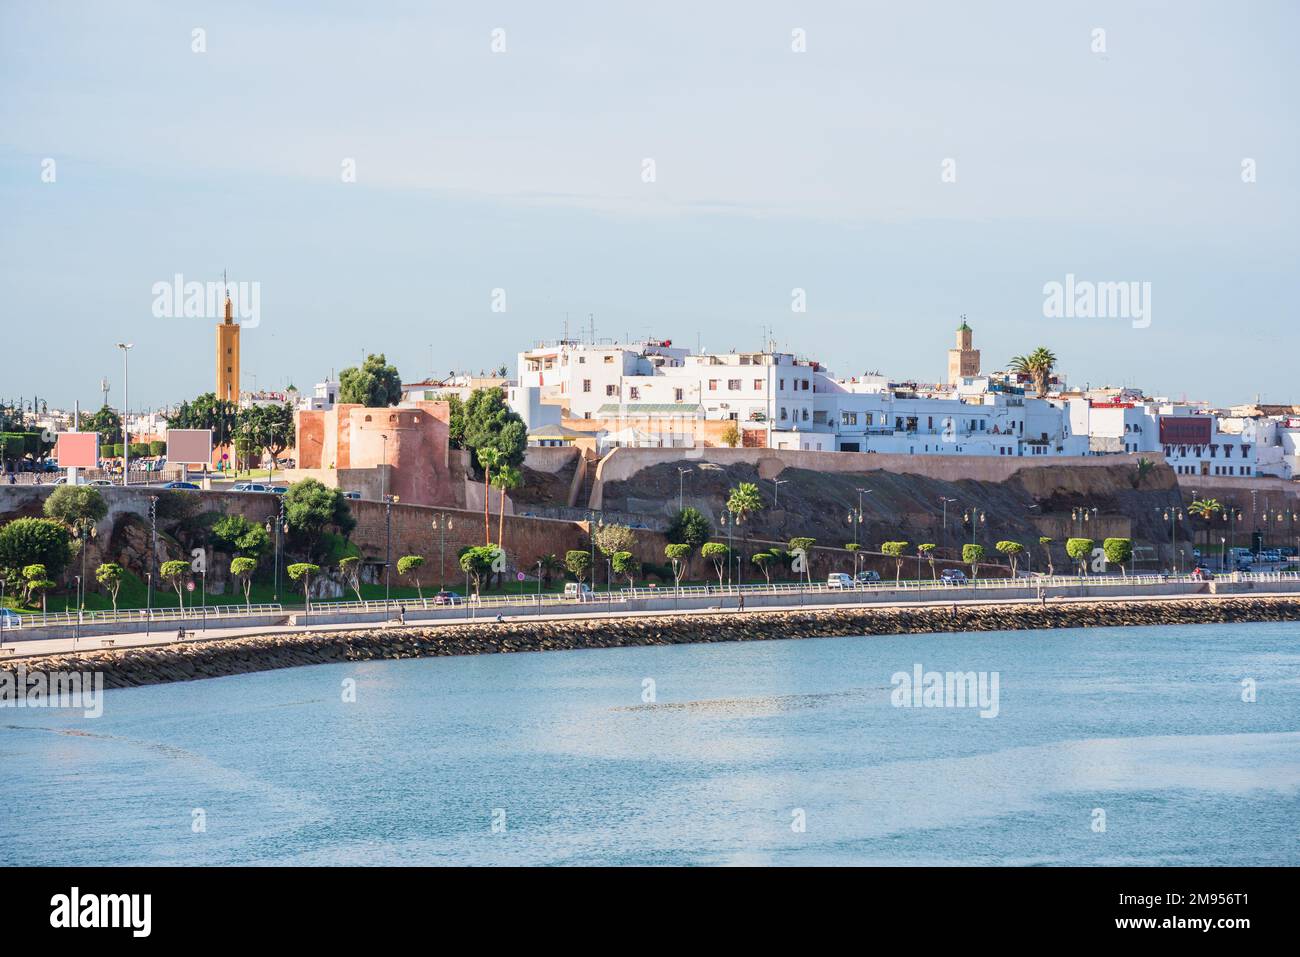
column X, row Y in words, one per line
column 1147, row 724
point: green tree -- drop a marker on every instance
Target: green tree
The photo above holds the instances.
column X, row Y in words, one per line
column 1118, row 551
column 238, row 536
column 311, row 509
column 35, row 541
column 37, row 584
column 690, row 527
column 175, row 574
column 241, row 569
column 71, row 504
column 491, row 424
column 1038, row 365
column 719, row 554
column 408, row 566
column 578, row 564
column 1012, row 550
column 1204, row 509
column 625, row 564
column 926, row 551
column 972, row 555
column 303, row 571
column 1046, row 543
column 613, row 538
column 266, row 428
column 898, row 552
column 157, row 447
column 455, row 422
column 107, row 423
column 375, row 385
column 477, row 561
column 804, row 545
column 679, row 554
column 207, row 412
column 731, row 436
column 1080, row 549
column 350, row 569
column 763, row 561
column 110, row 575
column 550, row 564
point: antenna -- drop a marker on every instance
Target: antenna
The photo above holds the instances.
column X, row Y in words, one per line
column 591, row 317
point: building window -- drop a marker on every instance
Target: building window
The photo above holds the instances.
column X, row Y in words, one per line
column 713, row 385
column 633, row 392
column 758, row 385
column 586, row 385
column 611, row 390
column 582, row 360
column 609, row 360
column 848, row 418
column 805, row 415
column 782, row 413
column 678, row 395
column 733, row 385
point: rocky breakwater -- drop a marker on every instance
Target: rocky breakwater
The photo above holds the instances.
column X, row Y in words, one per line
column 186, row 661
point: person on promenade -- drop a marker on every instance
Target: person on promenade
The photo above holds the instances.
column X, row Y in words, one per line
column 401, row 614
column 740, row 602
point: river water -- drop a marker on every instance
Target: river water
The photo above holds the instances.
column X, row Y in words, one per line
column 1109, row 746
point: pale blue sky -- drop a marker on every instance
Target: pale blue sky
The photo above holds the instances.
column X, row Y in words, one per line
column 775, row 170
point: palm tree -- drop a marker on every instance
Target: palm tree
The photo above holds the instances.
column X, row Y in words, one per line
column 489, row 459
column 1038, row 365
column 1205, row 509
column 507, row 477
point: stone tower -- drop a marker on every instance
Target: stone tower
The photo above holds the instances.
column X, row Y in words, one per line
column 228, row 355
column 963, row 361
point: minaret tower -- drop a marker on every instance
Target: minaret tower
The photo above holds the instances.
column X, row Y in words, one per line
column 228, row 352
column 963, row 361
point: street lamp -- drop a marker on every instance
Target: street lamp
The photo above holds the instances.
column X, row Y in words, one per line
column 681, row 477
column 126, row 348
column 776, row 490
column 278, row 523
column 389, row 500
column 84, row 531
column 975, row 517
column 944, row 500
column 442, row 525
column 1173, row 516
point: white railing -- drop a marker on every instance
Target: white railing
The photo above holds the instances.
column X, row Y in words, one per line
column 143, row 616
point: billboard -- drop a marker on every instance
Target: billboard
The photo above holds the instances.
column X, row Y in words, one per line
column 77, row 450
column 189, row 446
column 1185, row 430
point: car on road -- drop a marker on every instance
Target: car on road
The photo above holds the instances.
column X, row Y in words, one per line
column 250, row 487
column 575, row 591
column 10, row 618
column 446, row 598
column 867, row 577
column 185, row 485
column 279, row 489
column 952, row 576
column 839, row 580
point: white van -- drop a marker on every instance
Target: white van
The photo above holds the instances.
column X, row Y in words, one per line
column 839, row 580
column 575, row 591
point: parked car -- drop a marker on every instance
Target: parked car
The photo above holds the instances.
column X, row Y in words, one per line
column 839, row 580
column 445, row 598
column 952, row 576
column 575, row 591
column 1271, row 555
column 100, row 483
column 279, row 489
column 185, row 485
column 10, row 618
column 250, row 487
column 867, row 577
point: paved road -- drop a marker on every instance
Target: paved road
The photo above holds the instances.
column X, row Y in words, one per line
column 25, row 649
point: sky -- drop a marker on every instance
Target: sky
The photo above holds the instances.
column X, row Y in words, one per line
column 901, row 165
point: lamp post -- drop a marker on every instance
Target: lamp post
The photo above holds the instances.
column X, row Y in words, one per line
column 975, row 517
column 944, row 500
column 281, row 525
column 681, row 479
column 776, row 490
column 855, row 519
column 153, row 551
column 441, row 524
column 84, row 531
column 388, row 543
column 1172, row 516
column 126, row 348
